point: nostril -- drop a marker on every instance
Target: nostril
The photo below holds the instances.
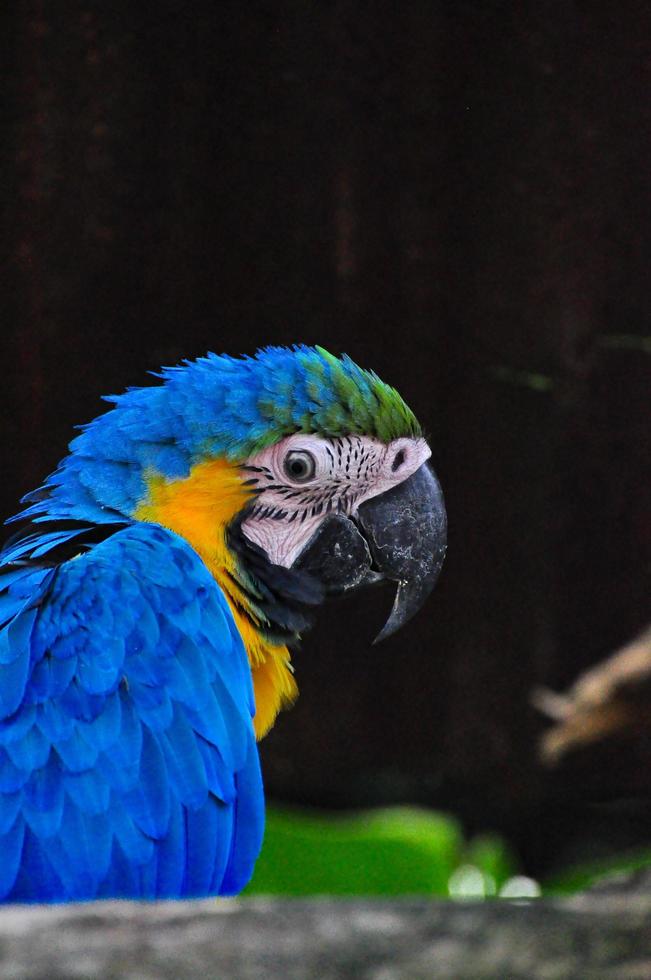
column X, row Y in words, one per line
column 398, row 460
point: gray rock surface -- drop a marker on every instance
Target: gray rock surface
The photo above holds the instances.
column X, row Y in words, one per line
column 594, row 936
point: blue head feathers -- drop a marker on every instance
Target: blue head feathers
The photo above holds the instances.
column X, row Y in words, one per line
column 214, row 407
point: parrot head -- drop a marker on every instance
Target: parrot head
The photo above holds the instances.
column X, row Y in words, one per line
column 294, row 474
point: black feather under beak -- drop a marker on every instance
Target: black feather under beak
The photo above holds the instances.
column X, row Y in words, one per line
column 399, row 535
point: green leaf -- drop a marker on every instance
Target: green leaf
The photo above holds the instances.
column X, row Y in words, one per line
column 394, row 851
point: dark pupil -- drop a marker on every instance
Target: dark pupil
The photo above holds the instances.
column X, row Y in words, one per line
column 297, row 467
column 399, row 460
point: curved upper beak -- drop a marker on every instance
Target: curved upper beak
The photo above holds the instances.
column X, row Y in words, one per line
column 399, row 535
column 406, row 530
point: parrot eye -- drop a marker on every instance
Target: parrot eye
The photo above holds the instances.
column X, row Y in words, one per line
column 299, row 465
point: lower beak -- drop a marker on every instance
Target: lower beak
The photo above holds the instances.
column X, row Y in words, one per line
column 399, row 535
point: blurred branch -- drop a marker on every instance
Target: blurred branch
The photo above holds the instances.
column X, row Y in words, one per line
column 612, row 698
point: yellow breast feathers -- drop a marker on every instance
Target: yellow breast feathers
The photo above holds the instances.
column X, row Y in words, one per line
column 199, row 508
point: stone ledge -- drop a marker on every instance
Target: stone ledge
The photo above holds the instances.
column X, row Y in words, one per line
column 590, row 937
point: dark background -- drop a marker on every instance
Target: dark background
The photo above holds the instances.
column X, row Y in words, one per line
column 458, row 195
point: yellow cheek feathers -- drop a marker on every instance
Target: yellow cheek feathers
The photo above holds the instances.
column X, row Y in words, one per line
column 199, row 509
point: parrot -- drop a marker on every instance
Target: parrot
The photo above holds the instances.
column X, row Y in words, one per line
column 150, row 602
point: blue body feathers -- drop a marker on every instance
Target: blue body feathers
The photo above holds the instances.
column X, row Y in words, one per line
column 128, row 764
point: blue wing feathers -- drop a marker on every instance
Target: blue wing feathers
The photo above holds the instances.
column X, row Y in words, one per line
column 54, row 720
column 149, row 800
column 11, row 844
column 51, row 677
column 44, row 790
column 185, row 768
column 11, row 777
column 11, row 804
column 125, row 876
column 10, row 605
column 23, row 581
column 16, row 725
column 226, row 823
column 88, row 791
column 219, row 776
column 14, row 680
column 172, row 854
column 104, row 729
column 201, row 835
column 76, row 753
column 43, row 801
column 154, row 706
column 35, row 866
column 128, row 764
column 136, row 845
column 29, row 752
column 35, row 545
column 248, row 826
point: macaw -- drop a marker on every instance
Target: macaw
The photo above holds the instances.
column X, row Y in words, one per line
column 147, row 612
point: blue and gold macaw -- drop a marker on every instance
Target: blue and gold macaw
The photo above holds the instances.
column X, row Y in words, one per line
column 147, row 612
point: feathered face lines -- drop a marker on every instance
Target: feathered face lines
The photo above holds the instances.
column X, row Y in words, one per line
column 346, row 468
column 304, row 478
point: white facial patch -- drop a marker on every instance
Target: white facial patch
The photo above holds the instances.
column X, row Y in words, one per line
column 304, row 478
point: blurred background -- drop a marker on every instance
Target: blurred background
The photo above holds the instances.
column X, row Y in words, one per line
column 457, row 195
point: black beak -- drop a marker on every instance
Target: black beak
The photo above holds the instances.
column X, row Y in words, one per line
column 400, row 535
